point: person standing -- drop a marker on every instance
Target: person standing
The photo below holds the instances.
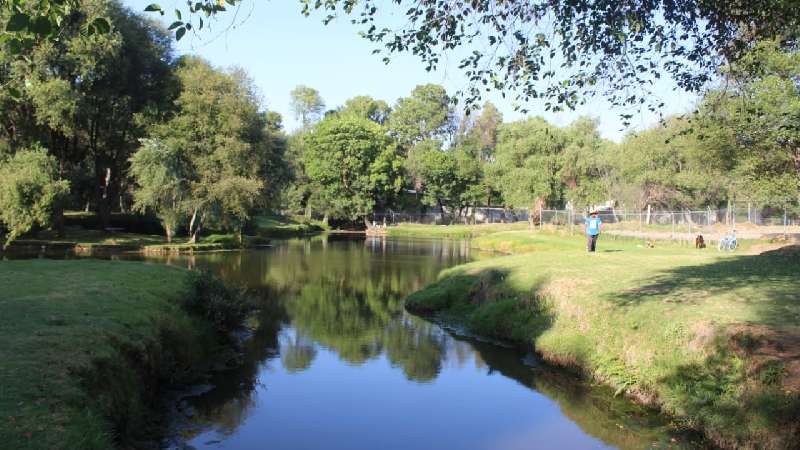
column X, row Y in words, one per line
column 593, row 226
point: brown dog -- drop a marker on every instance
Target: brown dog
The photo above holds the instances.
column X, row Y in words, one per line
column 699, row 242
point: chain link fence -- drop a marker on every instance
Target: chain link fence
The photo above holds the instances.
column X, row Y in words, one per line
column 749, row 222
column 685, row 225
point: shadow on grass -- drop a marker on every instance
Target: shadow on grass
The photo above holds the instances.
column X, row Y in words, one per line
column 739, row 393
column 772, row 276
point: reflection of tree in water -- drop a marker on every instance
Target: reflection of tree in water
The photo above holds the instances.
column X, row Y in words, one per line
column 232, row 399
column 418, row 348
column 297, row 352
column 351, row 301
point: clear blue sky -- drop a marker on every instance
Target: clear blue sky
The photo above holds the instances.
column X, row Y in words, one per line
column 280, row 49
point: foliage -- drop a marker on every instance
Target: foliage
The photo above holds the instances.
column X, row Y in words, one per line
column 307, row 104
column 221, row 139
column 366, row 107
column 753, row 126
column 353, row 164
column 30, row 190
column 527, row 162
column 617, row 51
column 162, row 177
column 89, row 98
column 666, row 167
column 447, row 177
column 425, row 114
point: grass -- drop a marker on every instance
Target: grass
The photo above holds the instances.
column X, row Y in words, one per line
column 709, row 338
column 274, row 225
column 89, row 239
column 452, row 231
column 87, row 343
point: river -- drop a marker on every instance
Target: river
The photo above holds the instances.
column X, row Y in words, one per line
column 334, row 362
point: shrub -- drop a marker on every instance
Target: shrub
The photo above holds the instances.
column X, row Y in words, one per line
column 209, row 298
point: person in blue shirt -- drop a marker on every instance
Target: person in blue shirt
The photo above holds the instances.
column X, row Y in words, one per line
column 593, row 227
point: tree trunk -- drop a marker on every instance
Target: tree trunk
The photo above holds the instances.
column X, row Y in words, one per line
column 105, row 193
column 366, row 222
column 194, row 225
column 168, row 231
column 58, row 220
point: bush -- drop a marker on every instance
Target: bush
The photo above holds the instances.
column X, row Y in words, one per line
column 209, row 298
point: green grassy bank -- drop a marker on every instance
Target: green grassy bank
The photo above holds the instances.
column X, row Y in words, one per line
column 711, row 339
column 86, row 345
column 451, row 231
column 82, row 236
column 274, row 225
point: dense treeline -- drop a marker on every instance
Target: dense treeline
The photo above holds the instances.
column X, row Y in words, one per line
column 114, row 122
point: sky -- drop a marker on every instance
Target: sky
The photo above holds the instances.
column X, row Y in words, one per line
column 281, row 49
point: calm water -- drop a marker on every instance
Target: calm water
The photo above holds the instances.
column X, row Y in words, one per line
column 335, row 363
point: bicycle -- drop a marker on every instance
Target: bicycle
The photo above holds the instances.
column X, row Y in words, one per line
column 728, row 242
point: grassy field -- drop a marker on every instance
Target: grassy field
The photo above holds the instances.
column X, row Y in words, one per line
column 86, row 344
column 273, row 225
column 451, row 231
column 712, row 339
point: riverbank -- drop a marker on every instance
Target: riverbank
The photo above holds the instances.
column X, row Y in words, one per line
column 87, row 344
column 451, row 231
column 711, row 339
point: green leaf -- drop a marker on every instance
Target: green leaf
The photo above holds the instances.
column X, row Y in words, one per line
column 41, row 26
column 178, row 14
column 179, row 34
column 101, row 25
column 175, row 24
column 153, row 7
column 17, row 22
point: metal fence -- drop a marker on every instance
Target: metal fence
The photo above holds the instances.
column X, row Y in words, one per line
column 749, row 223
column 685, row 225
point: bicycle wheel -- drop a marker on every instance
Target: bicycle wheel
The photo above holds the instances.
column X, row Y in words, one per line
column 732, row 244
column 722, row 245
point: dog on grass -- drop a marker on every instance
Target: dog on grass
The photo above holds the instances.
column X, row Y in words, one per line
column 699, row 242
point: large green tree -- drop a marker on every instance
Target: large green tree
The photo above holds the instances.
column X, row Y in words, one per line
column 354, row 166
column 89, row 98
column 527, row 164
column 162, row 175
column 307, row 104
column 219, row 131
column 426, row 114
column 753, row 127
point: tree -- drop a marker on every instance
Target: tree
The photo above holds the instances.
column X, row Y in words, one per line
column 665, row 166
column 218, row 129
column 448, row 178
column 753, row 128
column 367, row 107
column 30, row 191
column 353, row 165
column 585, row 168
column 89, row 98
column 162, row 175
column 477, row 137
column 527, row 164
column 426, row 114
column 307, row 105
